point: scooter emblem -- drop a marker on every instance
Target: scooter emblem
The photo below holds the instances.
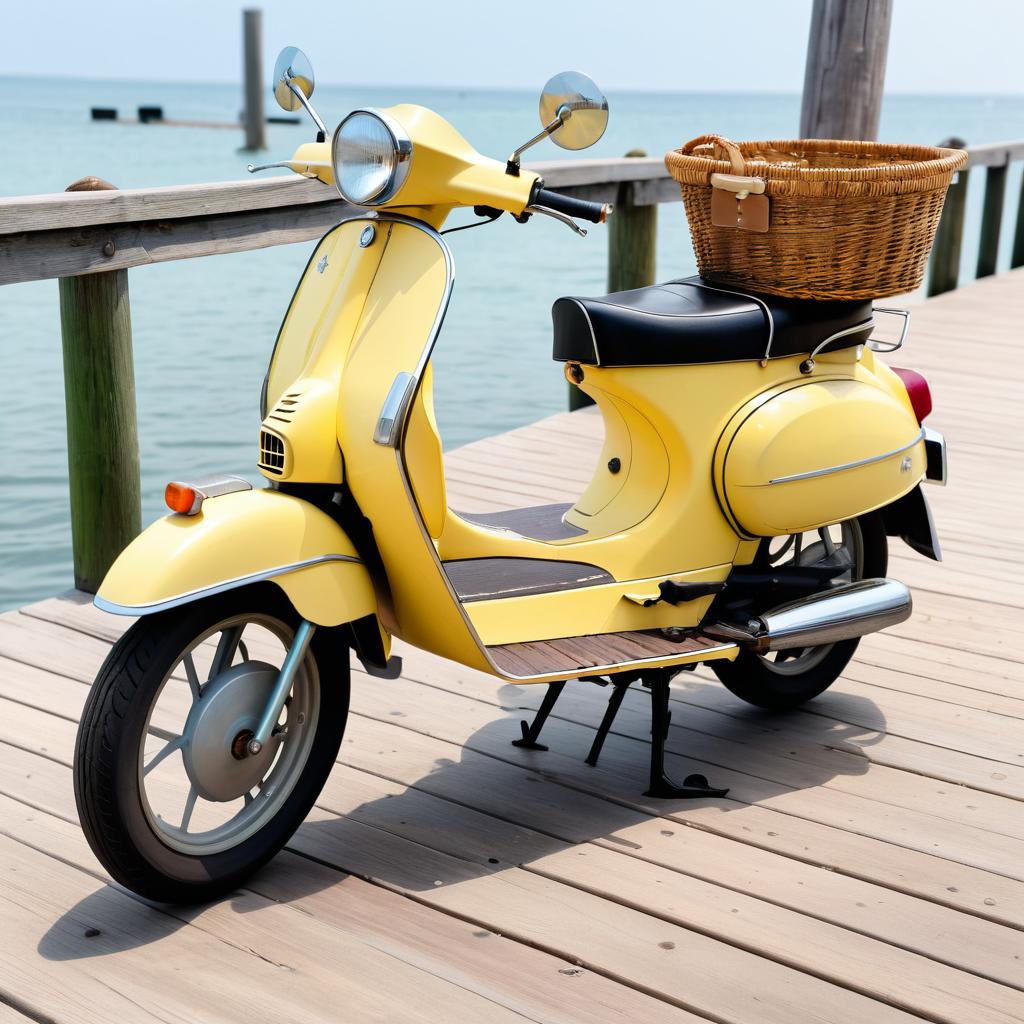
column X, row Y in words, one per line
column 322, row 264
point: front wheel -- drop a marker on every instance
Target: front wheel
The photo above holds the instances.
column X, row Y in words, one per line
column 169, row 799
column 783, row 680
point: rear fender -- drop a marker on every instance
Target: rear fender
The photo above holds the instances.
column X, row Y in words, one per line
column 238, row 539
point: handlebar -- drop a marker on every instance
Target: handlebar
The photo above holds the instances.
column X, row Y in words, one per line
column 596, row 213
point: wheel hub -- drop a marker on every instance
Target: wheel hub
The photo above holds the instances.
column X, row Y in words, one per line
column 219, row 727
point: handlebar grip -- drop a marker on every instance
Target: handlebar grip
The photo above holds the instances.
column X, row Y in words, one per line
column 596, row 213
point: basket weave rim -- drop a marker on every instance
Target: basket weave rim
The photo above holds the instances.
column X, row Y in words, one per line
column 924, row 161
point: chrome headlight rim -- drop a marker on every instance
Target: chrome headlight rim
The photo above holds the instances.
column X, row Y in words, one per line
column 403, row 157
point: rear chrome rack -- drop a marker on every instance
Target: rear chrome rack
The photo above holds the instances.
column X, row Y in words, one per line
column 877, row 344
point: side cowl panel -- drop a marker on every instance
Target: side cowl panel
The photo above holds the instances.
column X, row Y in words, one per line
column 237, row 539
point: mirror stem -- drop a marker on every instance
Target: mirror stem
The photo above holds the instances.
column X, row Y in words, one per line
column 562, row 115
column 321, row 127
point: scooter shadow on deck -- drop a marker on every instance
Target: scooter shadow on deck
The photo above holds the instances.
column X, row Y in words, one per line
column 499, row 808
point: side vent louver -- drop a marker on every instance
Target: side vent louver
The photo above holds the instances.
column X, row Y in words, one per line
column 285, row 408
column 271, row 452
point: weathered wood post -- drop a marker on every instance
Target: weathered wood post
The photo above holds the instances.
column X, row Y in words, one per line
column 252, row 46
column 632, row 239
column 944, row 269
column 99, row 395
column 845, row 71
column 991, row 219
column 1017, row 255
column 632, row 253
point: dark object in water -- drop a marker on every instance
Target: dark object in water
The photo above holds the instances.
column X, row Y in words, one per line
column 283, row 120
column 147, row 114
column 104, row 113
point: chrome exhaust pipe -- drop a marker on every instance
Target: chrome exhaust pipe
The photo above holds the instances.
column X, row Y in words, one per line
column 846, row 611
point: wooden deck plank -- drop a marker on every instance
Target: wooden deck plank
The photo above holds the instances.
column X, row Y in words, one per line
column 591, row 929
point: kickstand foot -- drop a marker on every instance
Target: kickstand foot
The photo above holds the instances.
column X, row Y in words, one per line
column 661, row 786
column 531, row 730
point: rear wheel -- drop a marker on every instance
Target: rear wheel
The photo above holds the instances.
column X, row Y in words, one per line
column 782, row 680
column 171, row 802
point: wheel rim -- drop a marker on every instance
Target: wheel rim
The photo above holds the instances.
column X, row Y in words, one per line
column 818, row 547
column 200, row 792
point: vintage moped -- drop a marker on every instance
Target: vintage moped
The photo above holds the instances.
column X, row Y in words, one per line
column 757, row 456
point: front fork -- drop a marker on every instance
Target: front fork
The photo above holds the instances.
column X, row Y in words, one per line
column 283, row 686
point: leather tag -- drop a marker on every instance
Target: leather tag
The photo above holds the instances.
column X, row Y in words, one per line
column 749, row 214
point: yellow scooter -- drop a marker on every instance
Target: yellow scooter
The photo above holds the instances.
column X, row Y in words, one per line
column 757, row 455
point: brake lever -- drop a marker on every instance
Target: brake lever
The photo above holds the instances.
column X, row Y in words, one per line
column 562, row 218
column 306, row 168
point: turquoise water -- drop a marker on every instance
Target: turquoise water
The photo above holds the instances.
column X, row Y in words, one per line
column 203, row 329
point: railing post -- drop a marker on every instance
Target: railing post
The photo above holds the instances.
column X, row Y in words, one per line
column 991, row 219
column 944, row 271
column 632, row 253
column 1017, row 255
column 99, row 394
column 252, row 48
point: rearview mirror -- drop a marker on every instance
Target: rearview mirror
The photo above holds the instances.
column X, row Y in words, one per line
column 573, row 99
column 293, row 74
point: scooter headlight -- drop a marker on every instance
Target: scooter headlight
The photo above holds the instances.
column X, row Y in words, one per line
column 371, row 155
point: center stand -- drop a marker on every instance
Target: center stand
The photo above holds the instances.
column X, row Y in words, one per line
column 657, row 682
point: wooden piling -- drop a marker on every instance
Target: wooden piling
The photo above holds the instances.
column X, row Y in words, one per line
column 252, row 47
column 632, row 253
column 991, row 219
column 1017, row 254
column 99, row 394
column 845, row 71
column 944, row 270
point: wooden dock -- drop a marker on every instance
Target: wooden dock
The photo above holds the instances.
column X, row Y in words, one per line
column 867, row 865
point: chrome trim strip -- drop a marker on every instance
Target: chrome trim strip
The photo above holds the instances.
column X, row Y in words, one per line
column 848, row 465
column 936, row 460
column 866, row 325
column 593, row 336
column 217, row 588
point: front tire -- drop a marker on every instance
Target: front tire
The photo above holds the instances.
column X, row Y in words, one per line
column 167, row 799
column 786, row 682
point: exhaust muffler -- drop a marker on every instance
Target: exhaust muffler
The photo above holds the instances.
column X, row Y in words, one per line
column 844, row 612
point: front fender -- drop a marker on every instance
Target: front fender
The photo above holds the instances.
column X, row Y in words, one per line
column 241, row 538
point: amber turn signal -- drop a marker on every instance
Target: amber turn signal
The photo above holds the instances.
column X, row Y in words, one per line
column 182, row 499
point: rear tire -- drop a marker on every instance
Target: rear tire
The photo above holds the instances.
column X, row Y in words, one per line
column 139, row 848
column 752, row 679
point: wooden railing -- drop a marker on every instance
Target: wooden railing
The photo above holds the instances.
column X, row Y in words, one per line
column 89, row 239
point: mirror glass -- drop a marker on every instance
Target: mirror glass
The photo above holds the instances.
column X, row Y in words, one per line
column 588, row 108
column 292, row 65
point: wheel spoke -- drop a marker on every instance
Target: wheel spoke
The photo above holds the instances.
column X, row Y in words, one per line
column 193, row 677
column 176, row 744
column 225, row 653
column 248, row 798
column 243, row 650
column 190, row 805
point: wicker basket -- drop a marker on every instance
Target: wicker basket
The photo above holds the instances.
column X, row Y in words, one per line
column 845, row 220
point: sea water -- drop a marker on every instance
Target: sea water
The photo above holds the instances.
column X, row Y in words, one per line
column 203, row 329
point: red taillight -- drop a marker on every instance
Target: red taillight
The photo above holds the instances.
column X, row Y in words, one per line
column 918, row 390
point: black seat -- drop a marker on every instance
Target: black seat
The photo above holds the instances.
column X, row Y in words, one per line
column 694, row 321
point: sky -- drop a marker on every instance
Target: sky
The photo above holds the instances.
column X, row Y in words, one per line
column 936, row 46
